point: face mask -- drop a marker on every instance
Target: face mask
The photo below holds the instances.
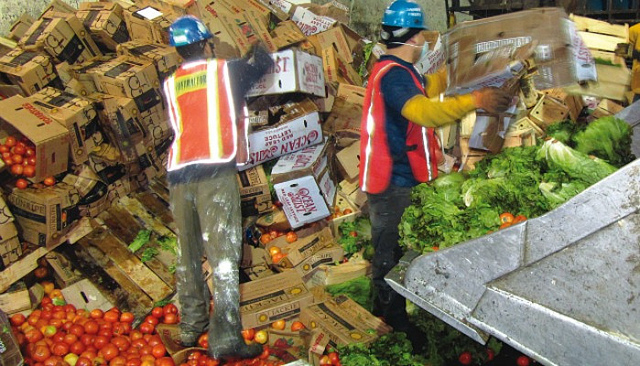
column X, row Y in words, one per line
column 425, row 50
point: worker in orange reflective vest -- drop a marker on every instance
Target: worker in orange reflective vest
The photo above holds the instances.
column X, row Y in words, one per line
column 398, row 147
column 205, row 102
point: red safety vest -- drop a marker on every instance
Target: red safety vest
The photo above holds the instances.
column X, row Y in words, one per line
column 203, row 115
column 377, row 163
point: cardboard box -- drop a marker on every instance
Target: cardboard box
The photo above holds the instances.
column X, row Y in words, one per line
column 147, row 24
column 125, row 77
column 64, row 38
column 20, row 27
column 10, row 251
column 92, row 190
column 165, row 58
column 345, row 118
column 45, row 214
column 75, row 113
column 480, row 51
column 548, row 111
column 277, row 297
column 294, row 71
column 349, row 161
column 63, row 272
column 85, row 295
column 489, row 130
column 31, row 71
column 311, row 23
column 105, row 22
column 256, row 262
column 55, row 8
column 343, row 321
column 227, row 43
column 22, row 118
column 298, row 128
column 15, row 299
column 251, row 27
column 337, row 69
column 78, row 79
column 304, row 185
column 328, row 274
column 343, row 40
column 303, row 248
column 10, row 354
column 287, row 34
column 310, row 268
column 344, row 211
column 255, row 196
column 279, row 8
column 605, row 108
column 436, row 57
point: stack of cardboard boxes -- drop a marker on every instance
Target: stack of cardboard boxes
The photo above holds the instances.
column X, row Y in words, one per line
column 92, row 105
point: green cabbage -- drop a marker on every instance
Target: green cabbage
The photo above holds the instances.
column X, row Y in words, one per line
column 608, row 138
column 575, row 163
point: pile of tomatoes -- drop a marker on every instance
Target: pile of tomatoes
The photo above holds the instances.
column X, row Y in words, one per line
column 20, row 157
column 199, row 358
column 275, row 251
column 507, row 219
column 61, row 335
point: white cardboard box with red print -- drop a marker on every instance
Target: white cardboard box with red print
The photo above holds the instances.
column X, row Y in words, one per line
column 299, row 129
column 304, row 185
column 293, row 71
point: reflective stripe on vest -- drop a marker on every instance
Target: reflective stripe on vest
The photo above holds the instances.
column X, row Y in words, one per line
column 202, row 114
column 376, row 168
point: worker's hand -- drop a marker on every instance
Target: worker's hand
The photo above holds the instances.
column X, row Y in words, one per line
column 492, row 100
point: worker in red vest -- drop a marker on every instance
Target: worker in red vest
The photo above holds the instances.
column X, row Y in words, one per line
column 205, row 101
column 398, row 146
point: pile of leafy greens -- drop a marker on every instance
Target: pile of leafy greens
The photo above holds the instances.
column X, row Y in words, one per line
column 393, row 349
column 359, row 290
column 528, row 181
column 355, row 236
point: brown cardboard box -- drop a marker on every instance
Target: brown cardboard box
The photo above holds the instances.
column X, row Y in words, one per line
column 343, row 202
column 304, row 185
column 77, row 78
column 10, row 248
column 294, row 71
column 255, row 197
column 11, row 354
column 21, row 118
column 157, row 126
column 75, row 113
column 310, row 269
column 342, row 39
column 125, row 77
column 31, row 71
column 92, row 190
column 85, row 295
column 164, row 57
column 14, row 300
column 303, row 248
column 349, row 161
column 64, row 38
column 276, row 297
column 310, row 22
column 606, row 107
column 346, row 115
column 63, row 272
column 224, row 42
column 20, row 27
column 476, row 56
column 44, row 214
column 105, row 22
column 337, row 69
column 548, row 110
column 573, row 102
column 343, row 321
column 55, row 8
column 297, row 128
column 147, row 24
column 287, row 34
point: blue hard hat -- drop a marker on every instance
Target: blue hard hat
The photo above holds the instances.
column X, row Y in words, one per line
column 187, row 30
column 405, row 14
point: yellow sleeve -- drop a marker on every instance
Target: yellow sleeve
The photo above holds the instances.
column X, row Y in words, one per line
column 435, row 113
column 633, row 35
column 436, row 83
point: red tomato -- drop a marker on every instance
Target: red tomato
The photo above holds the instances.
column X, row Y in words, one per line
column 31, row 160
column 17, row 159
column 203, row 340
column 29, row 152
column 170, row 319
column 41, row 353
column 49, row 181
column 77, row 347
column 19, row 149
column 291, row 237
column 17, row 169
column 147, row 328
column 151, row 320
column 60, row 349
column 83, row 361
column 109, row 352
column 22, row 183
column 111, row 316
column 4, row 149
column 164, row 361
column 523, row 361
column 91, row 327
column 70, row 339
column 96, row 314
column 10, row 141
column 157, row 312
column 158, row 351
column 334, row 358
column 465, row 358
column 100, row 341
column 170, row 309
column 17, row 319
column 127, row 317
column 296, row 326
column 248, row 334
column 29, row 171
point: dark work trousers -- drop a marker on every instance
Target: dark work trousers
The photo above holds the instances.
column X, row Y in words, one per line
column 207, row 214
column 385, row 212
